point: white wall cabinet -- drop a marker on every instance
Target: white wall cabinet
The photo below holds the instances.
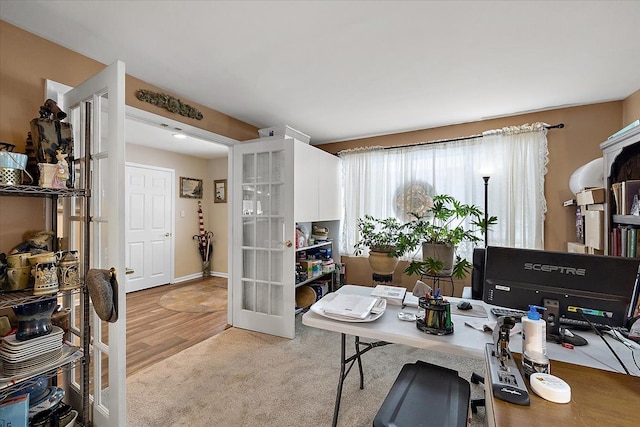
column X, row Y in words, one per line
column 316, row 185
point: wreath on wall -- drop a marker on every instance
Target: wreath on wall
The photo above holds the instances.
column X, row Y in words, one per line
column 414, row 197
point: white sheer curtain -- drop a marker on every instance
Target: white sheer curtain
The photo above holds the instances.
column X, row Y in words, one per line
column 376, row 179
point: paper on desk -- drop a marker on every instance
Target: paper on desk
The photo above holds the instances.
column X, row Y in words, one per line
column 353, row 306
column 393, row 294
column 489, row 325
column 410, row 300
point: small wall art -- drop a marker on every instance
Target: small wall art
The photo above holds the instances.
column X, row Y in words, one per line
column 220, row 191
column 190, row 188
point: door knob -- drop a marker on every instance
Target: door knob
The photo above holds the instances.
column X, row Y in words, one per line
column 288, row 243
column 129, row 271
column 167, row 234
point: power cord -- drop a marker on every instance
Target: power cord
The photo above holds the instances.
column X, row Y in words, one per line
column 603, row 339
column 619, row 338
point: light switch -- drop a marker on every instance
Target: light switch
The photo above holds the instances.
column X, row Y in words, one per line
column 181, row 214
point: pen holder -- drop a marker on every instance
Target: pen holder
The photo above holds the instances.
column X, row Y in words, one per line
column 437, row 316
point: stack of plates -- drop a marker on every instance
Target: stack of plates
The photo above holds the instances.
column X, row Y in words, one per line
column 22, row 357
column 47, row 400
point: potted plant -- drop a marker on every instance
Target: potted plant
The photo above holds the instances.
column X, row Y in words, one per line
column 386, row 241
column 448, row 223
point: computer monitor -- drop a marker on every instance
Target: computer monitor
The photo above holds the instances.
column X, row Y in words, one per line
column 604, row 288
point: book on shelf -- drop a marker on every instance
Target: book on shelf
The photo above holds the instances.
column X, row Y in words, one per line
column 625, row 241
column 615, row 189
column 393, row 294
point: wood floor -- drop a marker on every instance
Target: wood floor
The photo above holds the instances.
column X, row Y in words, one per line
column 155, row 333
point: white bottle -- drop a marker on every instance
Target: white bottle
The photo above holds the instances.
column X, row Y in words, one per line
column 534, row 332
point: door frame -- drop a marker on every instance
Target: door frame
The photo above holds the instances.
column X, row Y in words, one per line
column 172, row 226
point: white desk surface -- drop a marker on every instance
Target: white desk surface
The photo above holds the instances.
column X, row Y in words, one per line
column 469, row 342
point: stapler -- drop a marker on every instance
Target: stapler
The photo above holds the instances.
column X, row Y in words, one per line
column 505, row 377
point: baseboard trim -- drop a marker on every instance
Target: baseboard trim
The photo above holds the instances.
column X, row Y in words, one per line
column 199, row 275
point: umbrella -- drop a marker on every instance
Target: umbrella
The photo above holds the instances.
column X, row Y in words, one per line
column 205, row 241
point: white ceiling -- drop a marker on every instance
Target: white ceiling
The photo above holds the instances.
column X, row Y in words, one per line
column 161, row 138
column 341, row 70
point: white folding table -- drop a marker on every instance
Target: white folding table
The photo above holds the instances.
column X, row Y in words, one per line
column 465, row 341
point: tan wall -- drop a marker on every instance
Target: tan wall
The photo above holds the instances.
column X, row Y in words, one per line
column 219, row 221
column 569, row 148
column 631, row 108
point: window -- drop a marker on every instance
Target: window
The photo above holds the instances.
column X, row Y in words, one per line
column 515, row 159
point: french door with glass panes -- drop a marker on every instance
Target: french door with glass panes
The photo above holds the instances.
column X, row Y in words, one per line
column 263, row 288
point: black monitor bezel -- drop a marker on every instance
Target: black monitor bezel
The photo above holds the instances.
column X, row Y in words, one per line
column 569, row 290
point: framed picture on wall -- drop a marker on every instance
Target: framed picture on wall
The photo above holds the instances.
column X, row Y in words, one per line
column 190, row 188
column 220, row 191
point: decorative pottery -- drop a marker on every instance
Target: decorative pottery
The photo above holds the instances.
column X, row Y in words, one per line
column 48, row 173
column 68, row 277
column 18, row 278
column 18, row 260
column 46, row 275
column 34, row 319
column 381, row 263
column 42, row 258
column 441, row 252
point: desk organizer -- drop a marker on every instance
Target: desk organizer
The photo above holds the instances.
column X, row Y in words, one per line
column 437, row 316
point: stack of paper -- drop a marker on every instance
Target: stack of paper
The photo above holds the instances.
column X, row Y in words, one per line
column 393, row 294
column 351, row 306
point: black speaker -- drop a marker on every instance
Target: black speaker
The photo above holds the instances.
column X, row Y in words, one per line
column 477, row 273
column 552, row 316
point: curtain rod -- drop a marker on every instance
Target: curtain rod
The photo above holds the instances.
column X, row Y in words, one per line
column 464, row 138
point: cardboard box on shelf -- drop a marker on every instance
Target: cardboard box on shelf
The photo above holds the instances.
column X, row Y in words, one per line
column 313, row 266
column 593, row 251
column 590, row 196
column 286, row 131
column 594, row 229
column 576, row 248
column 596, row 207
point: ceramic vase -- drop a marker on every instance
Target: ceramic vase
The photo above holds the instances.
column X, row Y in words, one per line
column 34, row 319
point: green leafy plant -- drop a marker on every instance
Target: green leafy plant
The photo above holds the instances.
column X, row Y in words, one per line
column 448, row 222
column 381, row 235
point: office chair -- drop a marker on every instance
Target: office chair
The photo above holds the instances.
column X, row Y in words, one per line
column 427, row 395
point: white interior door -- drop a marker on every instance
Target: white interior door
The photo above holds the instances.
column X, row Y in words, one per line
column 263, row 258
column 96, row 109
column 149, row 217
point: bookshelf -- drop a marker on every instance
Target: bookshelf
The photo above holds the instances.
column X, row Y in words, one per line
column 621, row 163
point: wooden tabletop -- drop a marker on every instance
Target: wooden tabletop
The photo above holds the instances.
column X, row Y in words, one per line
column 598, row 398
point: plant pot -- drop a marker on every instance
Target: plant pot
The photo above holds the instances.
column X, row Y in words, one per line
column 440, row 252
column 382, row 263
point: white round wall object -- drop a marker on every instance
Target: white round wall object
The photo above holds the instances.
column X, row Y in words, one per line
column 589, row 175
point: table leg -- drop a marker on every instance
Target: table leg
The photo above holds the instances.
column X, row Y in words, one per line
column 343, row 364
column 344, row 370
column 357, row 342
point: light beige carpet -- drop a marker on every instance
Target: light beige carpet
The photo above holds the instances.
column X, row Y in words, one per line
column 196, row 298
column 244, row 378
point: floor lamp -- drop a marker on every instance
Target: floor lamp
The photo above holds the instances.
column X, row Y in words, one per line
column 486, row 206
